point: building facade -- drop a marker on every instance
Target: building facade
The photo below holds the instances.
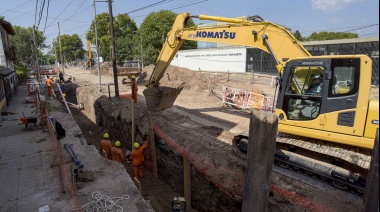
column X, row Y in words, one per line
column 242, row 59
column 8, row 77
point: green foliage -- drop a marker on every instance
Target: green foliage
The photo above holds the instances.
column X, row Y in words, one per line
column 331, row 36
column 50, row 59
column 72, row 47
column 154, row 29
column 2, row 18
column 21, row 72
column 22, row 42
column 297, row 34
column 124, row 27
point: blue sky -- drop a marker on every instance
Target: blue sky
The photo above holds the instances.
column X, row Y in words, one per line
column 307, row 16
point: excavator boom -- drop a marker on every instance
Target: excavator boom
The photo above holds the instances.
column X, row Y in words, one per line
column 270, row 37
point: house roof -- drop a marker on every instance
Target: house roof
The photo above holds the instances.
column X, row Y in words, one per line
column 8, row 27
column 4, row 71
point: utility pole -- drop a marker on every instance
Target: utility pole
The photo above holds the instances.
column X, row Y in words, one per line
column 113, row 50
column 97, row 49
column 36, row 52
column 60, row 49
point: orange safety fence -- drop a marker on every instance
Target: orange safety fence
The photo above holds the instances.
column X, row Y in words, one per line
column 232, row 183
column 235, row 97
column 246, row 100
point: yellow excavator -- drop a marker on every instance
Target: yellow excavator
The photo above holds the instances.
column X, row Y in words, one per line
column 329, row 131
column 88, row 63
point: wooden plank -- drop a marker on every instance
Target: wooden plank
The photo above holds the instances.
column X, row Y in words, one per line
column 371, row 198
column 260, row 158
column 187, row 181
column 152, row 145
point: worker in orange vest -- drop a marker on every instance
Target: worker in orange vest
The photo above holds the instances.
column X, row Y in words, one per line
column 137, row 157
column 105, row 145
column 134, row 88
column 49, row 84
column 117, row 153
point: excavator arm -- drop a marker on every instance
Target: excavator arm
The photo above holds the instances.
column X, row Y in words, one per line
column 248, row 32
column 267, row 36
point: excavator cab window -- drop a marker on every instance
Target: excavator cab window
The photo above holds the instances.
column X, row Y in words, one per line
column 303, row 92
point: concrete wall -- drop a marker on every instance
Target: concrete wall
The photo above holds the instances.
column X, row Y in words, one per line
column 223, row 59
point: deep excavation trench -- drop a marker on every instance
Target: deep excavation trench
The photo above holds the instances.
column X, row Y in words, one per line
column 217, row 174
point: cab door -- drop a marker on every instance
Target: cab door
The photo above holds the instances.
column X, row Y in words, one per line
column 298, row 106
column 343, row 112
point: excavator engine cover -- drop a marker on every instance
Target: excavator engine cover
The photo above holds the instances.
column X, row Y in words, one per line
column 160, row 98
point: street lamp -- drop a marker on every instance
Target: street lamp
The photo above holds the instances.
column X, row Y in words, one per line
column 97, row 47
column 142, row 55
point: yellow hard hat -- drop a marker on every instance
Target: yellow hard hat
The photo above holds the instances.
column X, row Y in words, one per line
column 136, row 145
column 117, row 143
column 106, row 135
column 133, row 77
column 63, row 83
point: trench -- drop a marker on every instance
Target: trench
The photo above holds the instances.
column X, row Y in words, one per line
column 217, row 174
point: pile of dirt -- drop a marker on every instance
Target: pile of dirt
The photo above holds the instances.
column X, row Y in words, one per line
column 176, row 76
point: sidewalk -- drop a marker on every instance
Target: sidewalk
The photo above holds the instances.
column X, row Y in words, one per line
column 30, row 171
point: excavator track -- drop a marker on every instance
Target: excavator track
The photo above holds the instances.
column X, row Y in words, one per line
column 344, row 167
column 352, row 155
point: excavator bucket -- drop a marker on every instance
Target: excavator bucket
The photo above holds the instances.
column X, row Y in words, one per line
column 161, row 98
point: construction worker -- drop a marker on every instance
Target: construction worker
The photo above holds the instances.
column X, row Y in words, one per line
column 117, row 153
column 49, row 84
column 61, row 77
column 63, row 88
column 134, row 88
column 105, row 146
column 137, row 157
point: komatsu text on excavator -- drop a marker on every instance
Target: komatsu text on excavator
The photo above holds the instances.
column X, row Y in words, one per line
column 327, row 121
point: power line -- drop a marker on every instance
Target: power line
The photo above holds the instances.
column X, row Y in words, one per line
column 60, row 14
column 74, row 12
column 47, row 14
column 362, row 27
column 35, row 14
column 41, row 11
column 20, row 6
column 151, row 5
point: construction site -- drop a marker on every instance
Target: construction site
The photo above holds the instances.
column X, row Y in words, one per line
column 305, row 139
column 199, row 128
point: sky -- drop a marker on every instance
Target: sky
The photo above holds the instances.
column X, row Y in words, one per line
column 306, row 16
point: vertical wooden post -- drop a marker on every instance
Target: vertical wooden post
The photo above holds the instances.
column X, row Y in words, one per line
column 261, row 148
column 371, row 198
column 187, row 181
column 152, row 145
column 133, row 124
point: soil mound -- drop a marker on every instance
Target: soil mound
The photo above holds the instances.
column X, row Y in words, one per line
column 176, row 76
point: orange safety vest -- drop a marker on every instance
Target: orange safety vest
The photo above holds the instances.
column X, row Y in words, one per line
column 106, row 146
column 137, row 155
column 117, row 154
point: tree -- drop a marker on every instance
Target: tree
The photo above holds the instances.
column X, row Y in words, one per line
column 297, row 34
column 124, row 27
column 23, row 43
column 155, row 26
column 72, row 47
column 331, row 35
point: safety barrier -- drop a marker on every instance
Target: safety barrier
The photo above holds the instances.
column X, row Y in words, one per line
column 246, row 100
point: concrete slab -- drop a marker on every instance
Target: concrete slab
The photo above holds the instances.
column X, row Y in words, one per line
column 30, row 170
